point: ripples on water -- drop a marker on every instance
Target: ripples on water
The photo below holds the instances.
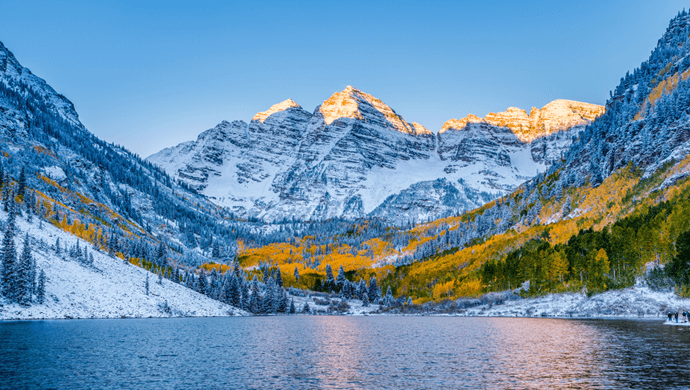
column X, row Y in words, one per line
column 343, row 353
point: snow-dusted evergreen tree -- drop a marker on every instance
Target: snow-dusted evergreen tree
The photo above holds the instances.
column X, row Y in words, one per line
column 279, row 279
column 9, row 260
column 346, row 290
column 202, row 282
column 296, row 274
column 255, row 297
column 362, row 289
column 282, row 301
column 388, row 300
column 235, row 292
column 329, row 285
column 21, row 183
column 215, row 252
column 225, row 289
column 23, row 274
column 246, row 297
column 269, row 301
column 146, row 284
column 365, row 299
column 162, row 255
column 341, row 277
column 293, row 310
column 374, row 291
column 306, row 309
column 41, row 288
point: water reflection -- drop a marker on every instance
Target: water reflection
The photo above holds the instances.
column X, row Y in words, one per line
column 343, row 353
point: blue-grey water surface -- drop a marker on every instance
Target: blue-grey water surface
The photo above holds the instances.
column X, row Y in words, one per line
column 331, row 352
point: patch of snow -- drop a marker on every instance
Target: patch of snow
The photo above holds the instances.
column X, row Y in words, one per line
column 56, row 173
column 638, row 301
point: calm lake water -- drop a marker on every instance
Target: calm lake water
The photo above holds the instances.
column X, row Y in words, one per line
column 343, row 353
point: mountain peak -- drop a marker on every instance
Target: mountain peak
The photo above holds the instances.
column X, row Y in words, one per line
column 459, row 124
column 557, row 115
column 354, row 103
column 282, row 106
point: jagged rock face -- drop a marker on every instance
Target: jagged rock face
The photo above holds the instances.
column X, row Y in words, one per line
column 426, row 200
column 556, row 116
column 354, row 156
column 12, row 73
column 349, row 135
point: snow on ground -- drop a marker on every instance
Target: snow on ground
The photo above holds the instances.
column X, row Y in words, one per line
column 108, row 289
column 638, row 301
column 314, row 300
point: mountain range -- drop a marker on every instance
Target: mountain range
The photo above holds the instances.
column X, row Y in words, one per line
column 571, row 198
column 355, row 157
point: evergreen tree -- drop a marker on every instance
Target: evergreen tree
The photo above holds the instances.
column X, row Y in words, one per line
column 246, row 297
column 269, row 299
column 23, row 274
column 374, row 292
column 329, row 286
column 162, row 255
column 41, row 289
column 236, row 270
column 216, row 250
column 306, row 309
column 292, row 306
column 362, row 289
column 389, row 296
column 365, row 299
column 202, row 283
column 279, row 279
column 21, row 185
column 235, row 292
column 254, row 300
column 281, row 300
column 341, row 277
column 296, row 274
column 146, row 284
column 9, row 260
column 7, row 196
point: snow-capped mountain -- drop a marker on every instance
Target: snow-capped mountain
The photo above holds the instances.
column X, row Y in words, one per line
column 354, row 156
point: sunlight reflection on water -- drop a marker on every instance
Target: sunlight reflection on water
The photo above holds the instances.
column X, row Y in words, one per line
column 343, row 353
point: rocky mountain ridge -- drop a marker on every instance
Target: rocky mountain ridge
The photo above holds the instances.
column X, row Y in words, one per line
column 354, row 156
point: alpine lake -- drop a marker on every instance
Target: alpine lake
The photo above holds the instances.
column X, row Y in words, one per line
column 337, row 352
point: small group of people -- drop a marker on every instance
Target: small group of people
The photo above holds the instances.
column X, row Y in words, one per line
column 684, row 316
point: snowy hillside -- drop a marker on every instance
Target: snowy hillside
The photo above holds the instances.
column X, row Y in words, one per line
column 110, row 288
column 636, row 301
column 354, row 156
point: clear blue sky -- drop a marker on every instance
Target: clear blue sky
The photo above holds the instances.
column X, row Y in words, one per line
column 149, row 75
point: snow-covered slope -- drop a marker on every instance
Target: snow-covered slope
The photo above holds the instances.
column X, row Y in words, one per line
column 108, row 289
column 354, row 156
column 636, row 301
